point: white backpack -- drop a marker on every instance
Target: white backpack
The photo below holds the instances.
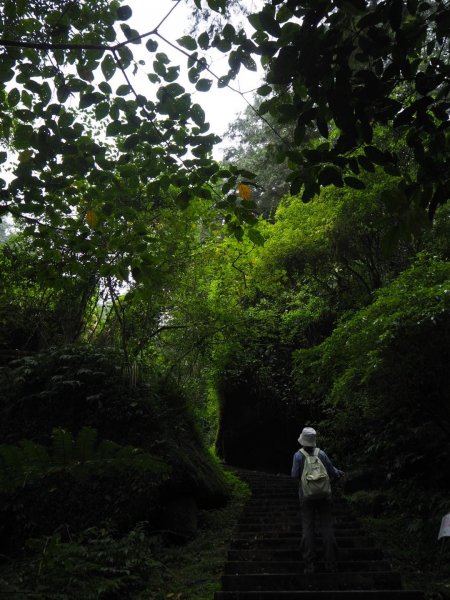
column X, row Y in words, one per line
column 315, row 480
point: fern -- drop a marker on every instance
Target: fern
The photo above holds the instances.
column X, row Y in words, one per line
column 106, row 449
column 35, row 459
column 62, row 447
column 11, row 467
column 85, row 444
column 81, row 457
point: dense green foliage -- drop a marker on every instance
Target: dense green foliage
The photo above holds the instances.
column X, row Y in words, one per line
column 153, row 313
column 389, row 361
column 99, row 563
column 344, row 68
column 252, row 144
column 155, row 449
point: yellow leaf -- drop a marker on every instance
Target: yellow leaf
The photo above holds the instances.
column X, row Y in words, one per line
column 245, row 191
column 91, row 218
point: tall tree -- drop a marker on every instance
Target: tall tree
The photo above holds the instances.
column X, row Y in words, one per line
column 352, row 65
column 253, row 146
column 91, row 155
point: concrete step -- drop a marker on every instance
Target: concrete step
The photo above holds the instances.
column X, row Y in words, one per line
column 279, row 526
column 258, row 512
column 359, row 580
column 270, row 566
column 286, row 488
column 279, row 542
column 291, row 532
column 286, row 494
column 284, row 506
column 292, row 499
column 273, row 486
column 265, row 562
column 266, row 520
column 287, row 515
column 321, row 595
column 294, row 554
column 292, row 495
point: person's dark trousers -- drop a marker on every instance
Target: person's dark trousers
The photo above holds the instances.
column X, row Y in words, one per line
column 320, row 509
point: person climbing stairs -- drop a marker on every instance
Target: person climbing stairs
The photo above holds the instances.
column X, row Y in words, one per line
column 264, row 558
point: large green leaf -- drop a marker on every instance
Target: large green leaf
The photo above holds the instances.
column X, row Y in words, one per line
column 187, row 42
column 124, row 13
column 203, row 85
column 108, row 66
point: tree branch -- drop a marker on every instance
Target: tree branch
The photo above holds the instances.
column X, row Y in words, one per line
column 66, row 46
column 54, row 46
column 121, row 318
column 230, row 87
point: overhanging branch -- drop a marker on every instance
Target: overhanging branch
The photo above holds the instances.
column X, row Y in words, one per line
column 66, row 46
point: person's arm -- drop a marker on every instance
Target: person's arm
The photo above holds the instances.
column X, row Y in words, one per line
column 297, row 466
column 333, row 472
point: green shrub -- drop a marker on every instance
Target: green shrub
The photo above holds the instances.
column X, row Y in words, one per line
column 384, row 376
column 155, row 452
column 92, row 565
column 78, row 457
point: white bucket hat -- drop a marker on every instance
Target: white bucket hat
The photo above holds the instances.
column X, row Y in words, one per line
column 308, row 437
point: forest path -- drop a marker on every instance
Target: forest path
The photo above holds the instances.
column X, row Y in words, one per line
column 264, row 559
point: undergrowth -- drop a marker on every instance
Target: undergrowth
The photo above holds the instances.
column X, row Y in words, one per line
column 409, row 541
column 98, row 565
column 192, row 571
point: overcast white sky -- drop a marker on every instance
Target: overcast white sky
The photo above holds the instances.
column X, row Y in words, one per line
column 220, row 104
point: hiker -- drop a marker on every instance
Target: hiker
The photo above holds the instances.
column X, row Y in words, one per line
column 315, row 471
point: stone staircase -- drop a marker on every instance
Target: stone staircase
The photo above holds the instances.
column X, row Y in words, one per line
column 264, row 559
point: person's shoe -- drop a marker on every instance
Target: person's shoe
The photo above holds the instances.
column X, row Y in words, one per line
column 309, row 568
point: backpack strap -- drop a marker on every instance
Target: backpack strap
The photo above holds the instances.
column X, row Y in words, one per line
column 307, row 454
